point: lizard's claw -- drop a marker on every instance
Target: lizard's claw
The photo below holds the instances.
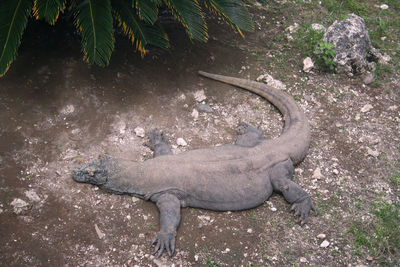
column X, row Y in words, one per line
column 164, row 241
column 302, row 209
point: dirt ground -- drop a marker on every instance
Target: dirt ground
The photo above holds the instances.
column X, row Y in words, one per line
column 56, row 112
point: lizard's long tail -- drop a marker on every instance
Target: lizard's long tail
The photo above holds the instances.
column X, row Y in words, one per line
column 295, row 138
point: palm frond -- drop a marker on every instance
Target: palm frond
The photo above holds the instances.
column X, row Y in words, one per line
column 233, row 13
column 189, row 14
column 138, row 31
column 147, row 10
column 94, row 21
column 49, row 10
column 13, row 18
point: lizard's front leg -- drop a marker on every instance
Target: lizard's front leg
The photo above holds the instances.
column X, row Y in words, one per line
column 281, row 178
column 170, row 216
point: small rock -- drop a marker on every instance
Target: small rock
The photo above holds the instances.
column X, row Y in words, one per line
column 373, row 153
column 317, row 174
column 32, row 196
column 324, row 244
column 120, row 127
column 199, row 96
column 307, row 64
column 302, row 259
column 205, row 220
column 19, row 206
column 182, row 97
column 135, row 199
column 99, row 233
column 139, row 131
column 335, row 171
column 318, row 27
column 292, row 28
column 384, row 59
column 392, row 108
column 269, row 80
column 204, row 108
column 249, row 230
column 226, row 251
column 181, row 142
column 368, row 78
column 196, row 257
column 195, row 114
column 366, row 108
column 384, row 6
column 321, row 236
column 67, row 110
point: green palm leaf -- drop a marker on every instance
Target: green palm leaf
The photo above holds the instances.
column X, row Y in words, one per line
column 189, row 14
column 13, row 19
column 147, row 10
column 138, row 31
column 233, row 13
column 94, row 21
column 48, row 10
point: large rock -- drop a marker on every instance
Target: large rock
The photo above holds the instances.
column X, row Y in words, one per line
column 354, row 52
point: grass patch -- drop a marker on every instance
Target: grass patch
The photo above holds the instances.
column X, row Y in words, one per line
column 395, row 179
column 380, row 237
column 306, row 39
column 211, row 262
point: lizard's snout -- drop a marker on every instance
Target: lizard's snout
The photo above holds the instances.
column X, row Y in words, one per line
column 80, row 175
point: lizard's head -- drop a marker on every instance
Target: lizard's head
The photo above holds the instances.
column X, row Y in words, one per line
column 94, row 172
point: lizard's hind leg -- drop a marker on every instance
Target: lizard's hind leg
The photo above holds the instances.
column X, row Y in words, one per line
column 248, row 136
column 158, row 143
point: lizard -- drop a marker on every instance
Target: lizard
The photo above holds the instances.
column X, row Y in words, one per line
column 229, row 177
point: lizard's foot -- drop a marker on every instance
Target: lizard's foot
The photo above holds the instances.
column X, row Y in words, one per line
column 158, row 143
column 248, row 135
column 164, row 241
column 302, row 209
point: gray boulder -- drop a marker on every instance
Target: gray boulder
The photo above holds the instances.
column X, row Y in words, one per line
column 354, row 51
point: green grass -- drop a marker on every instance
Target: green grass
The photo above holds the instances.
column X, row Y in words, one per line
column 211, row 262
column 395, row 179
column 380, row 237
column 306, row 39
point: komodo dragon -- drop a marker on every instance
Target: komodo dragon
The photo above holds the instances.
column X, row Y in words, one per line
column 223, row 178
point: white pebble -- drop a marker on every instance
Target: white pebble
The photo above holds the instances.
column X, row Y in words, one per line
column 307, row 64
column 321, row 236
column 373, row 153
column 195, row 114
column 181, row 142
column 317, row 174
column 250, row 230
column 324, row 244
column 31, row 194
column 384, row 6
column 366, row 108
column 139, row 131
column 199, row 96
column 135, row 199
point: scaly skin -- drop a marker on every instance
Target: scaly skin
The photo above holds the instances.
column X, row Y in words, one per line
column 230, row 177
